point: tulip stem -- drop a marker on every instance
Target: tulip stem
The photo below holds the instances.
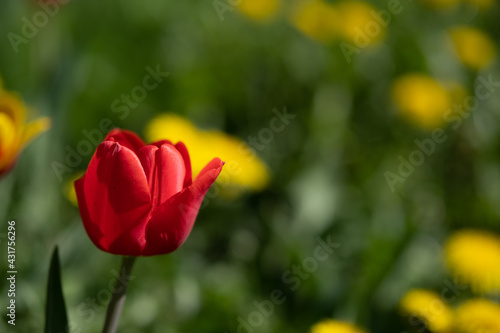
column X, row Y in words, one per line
column 115, row 305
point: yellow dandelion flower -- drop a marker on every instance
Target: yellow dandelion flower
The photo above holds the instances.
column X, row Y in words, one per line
column 260, row 10
column 316, row 19
column 421, row 99
column 440, row 4
column 429, row 308
column 360, row 24
column 478, row 316
column 474, row 257
column 243, row 168
column 334, row 326
column 474, row 48
column 15, row 133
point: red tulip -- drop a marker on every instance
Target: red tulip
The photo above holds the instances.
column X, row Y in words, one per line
column 140, row 200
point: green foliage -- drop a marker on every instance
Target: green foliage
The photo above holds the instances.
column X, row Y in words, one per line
column 56, row 320
column 327, row 166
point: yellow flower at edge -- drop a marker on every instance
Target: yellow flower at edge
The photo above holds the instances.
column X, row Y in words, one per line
column 474, row 48
column 359, row 23
column 243, row 167
column 15, row 133
column 260, row 10
column 334, row 326
column 429, row 308
column 421, row 99
column 316, row 19
column 478, row 316
column 473, row 256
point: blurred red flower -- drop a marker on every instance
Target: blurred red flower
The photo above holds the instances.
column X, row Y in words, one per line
column 140, row 200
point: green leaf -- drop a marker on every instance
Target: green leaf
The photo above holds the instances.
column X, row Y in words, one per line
column 56, row 320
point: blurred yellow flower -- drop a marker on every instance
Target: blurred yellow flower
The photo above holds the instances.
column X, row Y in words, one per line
column 316, row 19
column 429, row 308
column 474, row 257
column 359, row 23
column 421, row 99
column 260, row 10
column 478, row 316
column 243, row 169
column 474, row 48
column 333, row 326
column 15, row 133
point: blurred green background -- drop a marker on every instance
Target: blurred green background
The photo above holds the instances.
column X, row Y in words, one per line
column 328, row 166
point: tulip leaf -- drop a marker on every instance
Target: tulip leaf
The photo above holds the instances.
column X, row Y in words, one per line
column 56, row 320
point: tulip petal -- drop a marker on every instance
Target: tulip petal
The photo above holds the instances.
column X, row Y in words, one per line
column 34, row 128
column 147, row 156
column 126, row 138
column 162, row 142
column 170, row 173
column 164, row 169
column 181, row 147
column 92, row 228
column 114, row 199
column 213, row 164
column 8, row 145
column 172, row 222
column 13, row 106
